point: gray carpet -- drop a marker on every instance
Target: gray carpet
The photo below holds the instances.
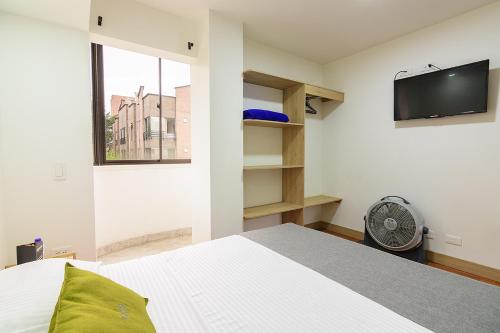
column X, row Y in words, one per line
column 435, row 299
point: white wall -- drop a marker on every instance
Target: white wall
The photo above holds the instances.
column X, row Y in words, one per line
column 46, row 119
column 263, row 145
column 200, row 127
column 3, row 236
column 3, row 247
column 136, row 200
column 70, row 13
column 130, row 201
column 226, row 134
column 448, row 168
column 127, row 21
column 267, row 59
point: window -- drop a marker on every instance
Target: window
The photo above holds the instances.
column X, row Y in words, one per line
column 170, row 127
column 141, row 108
column 122, row 136
column 147, row 128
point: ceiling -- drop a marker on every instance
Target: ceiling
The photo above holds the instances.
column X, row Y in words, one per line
column 325, row 30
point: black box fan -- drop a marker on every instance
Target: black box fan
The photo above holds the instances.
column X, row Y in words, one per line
column 393, row 225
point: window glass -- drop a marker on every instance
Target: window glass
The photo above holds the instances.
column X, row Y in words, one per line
column 176, row 104
column 146, row 116
column 131, row 88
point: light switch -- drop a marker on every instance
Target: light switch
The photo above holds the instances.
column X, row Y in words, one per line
column 59, row 171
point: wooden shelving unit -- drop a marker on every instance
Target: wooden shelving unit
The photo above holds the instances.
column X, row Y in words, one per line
column 292, row 170
column 270, row 167
column 268, row 123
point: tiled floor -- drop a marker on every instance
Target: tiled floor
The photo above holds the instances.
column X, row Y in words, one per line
column 146, row 249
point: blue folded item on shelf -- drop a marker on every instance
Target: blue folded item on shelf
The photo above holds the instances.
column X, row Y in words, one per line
column 265, row 115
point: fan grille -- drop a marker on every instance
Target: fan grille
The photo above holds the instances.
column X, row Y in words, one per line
column 391, row 224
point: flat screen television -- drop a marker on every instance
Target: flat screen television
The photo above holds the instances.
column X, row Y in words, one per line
column 447, row 92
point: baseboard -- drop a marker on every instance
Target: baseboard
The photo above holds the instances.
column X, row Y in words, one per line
column 136, row 241
column 439, row 258
column 351, row 233
column 320, row 225
column 357, row 235
column 464, row 265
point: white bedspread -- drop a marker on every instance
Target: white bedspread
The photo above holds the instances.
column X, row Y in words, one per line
column 235, row 285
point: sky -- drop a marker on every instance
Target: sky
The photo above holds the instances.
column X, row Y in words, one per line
column 125, row 71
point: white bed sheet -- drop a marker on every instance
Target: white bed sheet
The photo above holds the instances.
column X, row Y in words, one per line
column 29, row 293
column 236, row 285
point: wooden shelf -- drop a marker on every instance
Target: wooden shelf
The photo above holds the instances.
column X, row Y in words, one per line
column 325, row 94
column 270, row 167
column 271, row 209
column 320, row 200
column 267, row 80
column 268, row 123
column 271, row 81
column 282, row 207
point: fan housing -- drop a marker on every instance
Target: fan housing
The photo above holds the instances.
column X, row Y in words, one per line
column 393, row 225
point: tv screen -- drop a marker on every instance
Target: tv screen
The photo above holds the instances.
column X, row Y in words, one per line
column 448, row 92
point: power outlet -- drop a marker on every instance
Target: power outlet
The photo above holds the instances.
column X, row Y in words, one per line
column 430, row 234
column 454, row 240
column 62, row 250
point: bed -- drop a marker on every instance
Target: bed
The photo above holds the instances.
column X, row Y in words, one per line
column 435, row 299
column 281, row 279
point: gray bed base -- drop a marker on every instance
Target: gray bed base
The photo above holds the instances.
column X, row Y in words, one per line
column 432, row 298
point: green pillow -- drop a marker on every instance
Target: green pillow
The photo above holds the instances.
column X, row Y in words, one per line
column 92, row 303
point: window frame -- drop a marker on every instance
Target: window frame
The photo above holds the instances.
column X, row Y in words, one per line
column 99, row 114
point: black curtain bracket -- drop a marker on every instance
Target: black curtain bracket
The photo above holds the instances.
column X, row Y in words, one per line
column 434, row 66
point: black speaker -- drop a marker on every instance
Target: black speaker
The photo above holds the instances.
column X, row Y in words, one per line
column 29, row 252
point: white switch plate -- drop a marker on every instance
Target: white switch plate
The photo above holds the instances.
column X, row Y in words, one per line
column 454, row 240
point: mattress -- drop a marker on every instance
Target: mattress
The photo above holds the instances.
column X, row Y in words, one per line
column 281, row 279
column 236, row 285
column 435, row 299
